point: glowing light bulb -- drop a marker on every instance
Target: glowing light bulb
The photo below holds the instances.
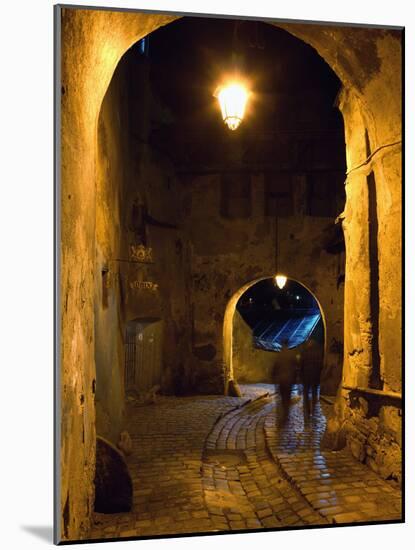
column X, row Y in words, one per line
column 280, row 280
column 232, row 99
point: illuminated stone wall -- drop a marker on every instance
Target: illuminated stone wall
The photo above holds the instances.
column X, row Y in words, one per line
column 369, row 406
column 112, row 173
column 142, row 267
column 228, row 253
column 92, row 44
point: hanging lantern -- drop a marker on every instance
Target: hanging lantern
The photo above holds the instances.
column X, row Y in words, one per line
column 232, row 99
column 280, row 280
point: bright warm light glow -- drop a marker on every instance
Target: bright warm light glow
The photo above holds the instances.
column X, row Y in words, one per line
column 280, row 280
column 232, row 99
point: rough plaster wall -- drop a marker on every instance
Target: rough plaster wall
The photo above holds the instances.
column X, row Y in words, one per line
column 130, row 172
column 99, row 39
column 370, row 424
column 228, row 253
column 388, row 177
column 153, row 184
column 92, row 44
column 169, row 270
column 386, row 167
column 358, row 333
column 112, row 171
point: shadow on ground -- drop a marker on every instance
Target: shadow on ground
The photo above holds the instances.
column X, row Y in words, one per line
column 43, row 532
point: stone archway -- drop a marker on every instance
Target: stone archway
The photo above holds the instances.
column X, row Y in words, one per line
column 368, row 64
column 229, row 317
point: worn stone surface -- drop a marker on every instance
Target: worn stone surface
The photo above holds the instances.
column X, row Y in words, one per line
column 239, row 470
column 372, row 344
column 100, row 38
column 168, row 441
column 111, row 173
column 137, row 206
column 375, row 440
column 334, row 483
column 228, row 253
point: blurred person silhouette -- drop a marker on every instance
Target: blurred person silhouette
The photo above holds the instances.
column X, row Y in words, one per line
column 311, row 363
column 285, row 376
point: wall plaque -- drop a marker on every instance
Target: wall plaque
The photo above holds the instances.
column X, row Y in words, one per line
column 144, row 285
column 140, row 253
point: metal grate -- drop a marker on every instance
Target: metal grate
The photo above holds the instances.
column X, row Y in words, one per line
column 143, row 355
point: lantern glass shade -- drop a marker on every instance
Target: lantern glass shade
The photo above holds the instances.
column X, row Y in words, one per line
column 232, row 99
column 280, row 280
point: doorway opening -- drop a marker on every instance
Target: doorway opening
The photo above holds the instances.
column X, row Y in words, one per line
column 143, row 355
column 264, row 323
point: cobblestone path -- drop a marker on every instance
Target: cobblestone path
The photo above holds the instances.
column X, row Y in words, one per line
column 244, row 488
column 214, row 464
column 339, row 487
column 165, row 465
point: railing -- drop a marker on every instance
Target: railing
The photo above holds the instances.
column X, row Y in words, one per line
column 372, row 391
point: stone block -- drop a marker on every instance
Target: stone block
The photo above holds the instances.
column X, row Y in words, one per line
column 358, row 449
column 113, row 485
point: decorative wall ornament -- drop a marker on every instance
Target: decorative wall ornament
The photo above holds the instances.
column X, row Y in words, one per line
column 140, row 253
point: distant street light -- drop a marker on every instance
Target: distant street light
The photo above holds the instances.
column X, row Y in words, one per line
column 280, row 280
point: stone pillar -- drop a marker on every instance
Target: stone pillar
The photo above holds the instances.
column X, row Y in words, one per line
column 372, row 362
column 387, row 173
column 357, row 313
column 380, row 167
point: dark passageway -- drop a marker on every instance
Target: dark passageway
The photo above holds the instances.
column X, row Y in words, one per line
column 192, row 222
column 273, row 329
column 220, row 207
